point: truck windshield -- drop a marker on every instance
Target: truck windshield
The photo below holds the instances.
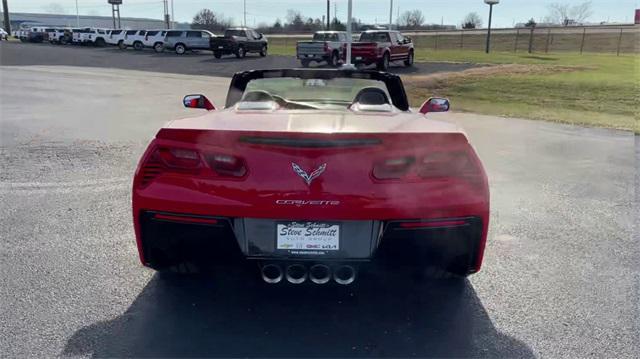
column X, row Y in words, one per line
column 325, row 37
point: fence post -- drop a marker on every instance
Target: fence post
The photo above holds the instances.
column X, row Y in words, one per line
column 515, row 47
column 546, row 48
column 584, row 34
column 619, row 42
column 531, row 40
column 461, row 39
column 436, row 45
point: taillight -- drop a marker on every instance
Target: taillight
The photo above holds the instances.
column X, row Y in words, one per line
column 179, row 158
column 442, row 164
column 393, row 168
column 446, row 164
column 227, row 165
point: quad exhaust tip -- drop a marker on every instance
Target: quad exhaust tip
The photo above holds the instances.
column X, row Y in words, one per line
column 344, row 274
column 272, row 273
column 296, row 273
column 320, row 274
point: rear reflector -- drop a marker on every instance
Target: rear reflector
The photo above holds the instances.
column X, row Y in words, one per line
column 188, row 219
column 433, row 224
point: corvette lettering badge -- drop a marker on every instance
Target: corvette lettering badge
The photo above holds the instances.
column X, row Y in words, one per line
column 308, row 178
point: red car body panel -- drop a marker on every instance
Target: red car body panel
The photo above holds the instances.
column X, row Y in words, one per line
column 347, row 190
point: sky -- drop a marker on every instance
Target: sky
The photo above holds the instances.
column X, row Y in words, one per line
column 506, row 14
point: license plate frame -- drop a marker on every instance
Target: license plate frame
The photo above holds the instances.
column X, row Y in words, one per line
column 324, row 239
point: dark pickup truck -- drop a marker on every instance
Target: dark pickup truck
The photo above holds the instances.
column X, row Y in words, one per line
column 239, row 41
column 382, row 47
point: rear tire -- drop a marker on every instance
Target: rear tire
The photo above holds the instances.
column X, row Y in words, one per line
column 240, row 53
column 263, row 51
column 180, row 49
column 305, row 63
column 409, row 61
column 121, row 45
column 158, row 47
column 334, row 59
column 100, row 42
column 383, row 64
column 217, row 54
column 138, row 46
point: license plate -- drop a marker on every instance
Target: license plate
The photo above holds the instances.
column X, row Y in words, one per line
column 221, row 47
column 308, row 237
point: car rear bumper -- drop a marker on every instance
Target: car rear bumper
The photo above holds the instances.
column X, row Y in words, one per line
column 165, row 239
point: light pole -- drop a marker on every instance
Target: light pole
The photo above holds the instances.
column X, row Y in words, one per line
column 391, row 15
column 490, row 3
column 77, row 15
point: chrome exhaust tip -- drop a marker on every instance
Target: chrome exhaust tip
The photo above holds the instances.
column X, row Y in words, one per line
column 344, row 274
column 271, row 273
column 296, row 273
column 320, row 274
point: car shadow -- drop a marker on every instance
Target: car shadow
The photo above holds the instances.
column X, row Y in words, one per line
column 202, row 317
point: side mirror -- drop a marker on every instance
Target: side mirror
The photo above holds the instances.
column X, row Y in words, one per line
column 435, row 104
column 260, row 36
column 198, row 101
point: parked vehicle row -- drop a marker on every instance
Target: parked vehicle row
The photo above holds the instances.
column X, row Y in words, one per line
column 238, row 41
column 379, row 47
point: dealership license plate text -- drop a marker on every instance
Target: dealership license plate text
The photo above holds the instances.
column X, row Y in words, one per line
column 308, row 236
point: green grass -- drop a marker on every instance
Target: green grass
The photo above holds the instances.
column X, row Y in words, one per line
column 602, row 90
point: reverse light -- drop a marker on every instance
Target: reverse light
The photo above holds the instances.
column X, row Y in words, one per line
column 180, row 158
column 227, row 165
column 393, row 168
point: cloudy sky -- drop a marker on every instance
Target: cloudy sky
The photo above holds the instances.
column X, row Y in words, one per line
column 506, row 13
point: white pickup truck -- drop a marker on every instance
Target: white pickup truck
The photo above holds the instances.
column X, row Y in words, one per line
column 325, row 46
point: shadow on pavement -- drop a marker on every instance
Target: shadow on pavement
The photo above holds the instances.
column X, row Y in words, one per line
column 195, row 317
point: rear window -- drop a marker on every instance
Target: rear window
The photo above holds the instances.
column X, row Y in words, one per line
column 230, row 33
column 325, row 37
column 174, row 33
column 152, row 33
column 49, row 30
column 194, row 34
column 375, row 37
column 116, row 32
column 131, row 32
column 142, row 32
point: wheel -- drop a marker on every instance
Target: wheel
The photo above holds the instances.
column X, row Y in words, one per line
column 409, row 61
column 100, row 42
column 383, row 65
column 305, row 63
column 263, row 51
column 121, row 45
column 180, row 49
column 240, row 53
column 334, row 60
column 138, row 46
column 217, row 54
column 158, row 47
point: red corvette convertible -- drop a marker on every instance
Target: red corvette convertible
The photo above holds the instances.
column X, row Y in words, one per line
column 313, row 175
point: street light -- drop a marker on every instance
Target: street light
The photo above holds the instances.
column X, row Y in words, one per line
column 490, row 3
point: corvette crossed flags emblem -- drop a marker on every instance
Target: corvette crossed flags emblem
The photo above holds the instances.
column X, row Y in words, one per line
column 308, row 178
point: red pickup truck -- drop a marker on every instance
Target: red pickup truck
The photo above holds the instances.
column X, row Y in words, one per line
column 382, row 47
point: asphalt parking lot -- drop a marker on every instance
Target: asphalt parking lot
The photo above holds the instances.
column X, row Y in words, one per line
column 560, row 279
column 193, row 63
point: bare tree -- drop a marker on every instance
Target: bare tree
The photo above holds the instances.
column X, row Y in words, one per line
column 472, row 21
column 206, row 19
column 566, row 14
column 411, row 19
column 54, row 8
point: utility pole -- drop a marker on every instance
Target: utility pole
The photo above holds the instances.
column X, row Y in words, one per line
column 328, row 14
column 391, row 15
column 490, row 3
column 77, row 15
column 245, row 12
column 349, row 36
column 173, row 19
column 5, row 12
column 167, row 22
